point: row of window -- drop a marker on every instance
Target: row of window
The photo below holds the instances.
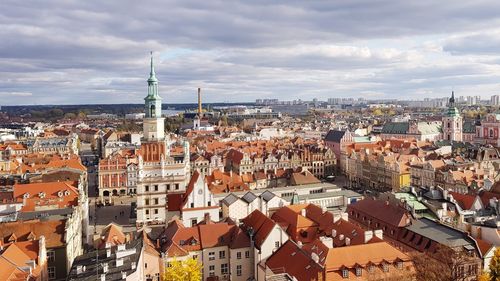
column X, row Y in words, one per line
column 147, row 188
column 371, row 268
column 224, row 269
column 155, row 211
column 222, row 255
column 156, row 201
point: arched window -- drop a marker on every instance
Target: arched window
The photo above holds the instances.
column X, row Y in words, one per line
column 152, row 110
column 491, row 133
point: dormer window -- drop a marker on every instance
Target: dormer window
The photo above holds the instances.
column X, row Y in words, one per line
column 26, row 195
column 66, row 193
column 41, row 194
column 345, row 273
column 359, row 271
column 399, row 265
column 385, row 267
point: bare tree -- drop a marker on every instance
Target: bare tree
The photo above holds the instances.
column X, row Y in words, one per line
column 445, row 264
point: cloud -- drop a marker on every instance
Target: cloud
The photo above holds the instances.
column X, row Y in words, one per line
column 97, row 52
column 478, row 43
column 15, row 94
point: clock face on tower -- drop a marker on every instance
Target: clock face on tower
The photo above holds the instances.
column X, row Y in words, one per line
column 200, row 192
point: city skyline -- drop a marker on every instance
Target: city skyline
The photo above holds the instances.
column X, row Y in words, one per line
column 86, row 53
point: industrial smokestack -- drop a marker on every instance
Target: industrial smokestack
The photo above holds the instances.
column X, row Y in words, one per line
column 199, row 102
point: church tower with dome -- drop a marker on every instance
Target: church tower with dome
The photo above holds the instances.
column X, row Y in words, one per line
column 452, row 122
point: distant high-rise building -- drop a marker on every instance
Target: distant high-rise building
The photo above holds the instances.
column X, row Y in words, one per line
column 473, row 100
column 495, row 100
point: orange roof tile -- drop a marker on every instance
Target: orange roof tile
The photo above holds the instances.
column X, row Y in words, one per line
column 363, row 255
column 43, row 195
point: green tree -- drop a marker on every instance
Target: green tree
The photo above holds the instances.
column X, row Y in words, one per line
column 484, row 277
column 183, row 270
column 223, row 121
column 70, row 115
column 495, row 266
column 377, row 112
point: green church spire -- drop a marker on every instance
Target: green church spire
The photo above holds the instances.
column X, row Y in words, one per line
column 452, row 110
column 152, row 74
column 153, row 99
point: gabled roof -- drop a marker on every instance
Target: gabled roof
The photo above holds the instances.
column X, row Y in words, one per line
column 230, row 199
column 291, row 259
column 113, row 235
column 335, row 136
column 12, row 262
column 267, row 195
column 396, row 128
column 190, row 186
column 179, row 240
column 260, row 224
column 383, row 211
column 465, row 201
column 249, row 197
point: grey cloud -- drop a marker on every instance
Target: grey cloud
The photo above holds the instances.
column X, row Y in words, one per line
column 96, row 51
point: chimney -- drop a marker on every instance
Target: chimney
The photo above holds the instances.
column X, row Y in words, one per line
column 368, row 235
column 80, row 269
column 303, row 212
column 378, row 233
column 42, row 250
column 347, row 241
column 207, row 218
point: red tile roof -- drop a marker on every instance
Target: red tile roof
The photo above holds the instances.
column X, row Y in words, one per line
column 293, row 260
column 53, row 231
column 179, row 240
column 46, row 195
column 465, row 201
column 261, row 225
column 394, row 215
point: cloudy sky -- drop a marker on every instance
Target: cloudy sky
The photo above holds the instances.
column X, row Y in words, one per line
column 69, row 52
